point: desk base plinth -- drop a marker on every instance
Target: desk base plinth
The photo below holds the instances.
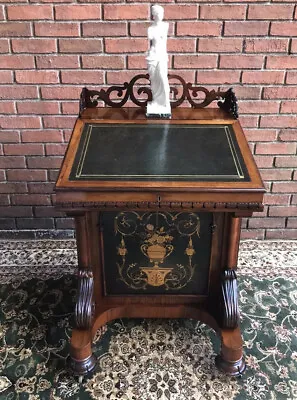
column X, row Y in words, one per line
column 230, row 360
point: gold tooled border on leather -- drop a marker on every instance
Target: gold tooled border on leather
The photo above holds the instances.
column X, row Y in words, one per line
column 79, row 174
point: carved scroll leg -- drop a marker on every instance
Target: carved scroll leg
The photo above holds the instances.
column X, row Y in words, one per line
column 82, row 361
column 230, row 361
column 229, row 301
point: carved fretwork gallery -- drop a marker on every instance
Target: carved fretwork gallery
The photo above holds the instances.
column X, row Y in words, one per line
column 118, row 96
column 158, row 217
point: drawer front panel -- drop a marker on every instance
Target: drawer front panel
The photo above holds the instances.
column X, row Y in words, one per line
column 156, row 252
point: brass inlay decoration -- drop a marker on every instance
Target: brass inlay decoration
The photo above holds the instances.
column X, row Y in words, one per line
column 234, row 153
column 79, row 173
column 154, row 234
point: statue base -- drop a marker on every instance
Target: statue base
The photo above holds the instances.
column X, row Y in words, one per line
column 154, row 110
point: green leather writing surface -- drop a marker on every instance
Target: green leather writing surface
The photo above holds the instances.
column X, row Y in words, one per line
column 158, row 152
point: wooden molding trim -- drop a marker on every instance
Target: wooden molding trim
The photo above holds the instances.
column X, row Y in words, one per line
column 219, row 206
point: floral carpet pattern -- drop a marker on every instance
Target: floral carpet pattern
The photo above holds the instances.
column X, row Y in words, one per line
column 143, row 359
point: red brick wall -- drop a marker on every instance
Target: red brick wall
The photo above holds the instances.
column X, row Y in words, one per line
column 50, row 49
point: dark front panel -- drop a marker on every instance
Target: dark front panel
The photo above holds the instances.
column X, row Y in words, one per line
column 159, row 152
column 156, row 252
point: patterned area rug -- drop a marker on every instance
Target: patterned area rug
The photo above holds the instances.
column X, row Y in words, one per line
column 143, row 359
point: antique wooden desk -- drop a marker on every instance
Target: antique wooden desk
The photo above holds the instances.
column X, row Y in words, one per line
column 158, row 206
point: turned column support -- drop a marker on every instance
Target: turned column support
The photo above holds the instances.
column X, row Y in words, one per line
column 231, row 359
column 229, row 292
column 84, row 310
column 82, row 361
column 234, row 238
column 81, row 229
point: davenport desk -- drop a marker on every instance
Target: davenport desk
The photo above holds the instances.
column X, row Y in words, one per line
column 157, row 206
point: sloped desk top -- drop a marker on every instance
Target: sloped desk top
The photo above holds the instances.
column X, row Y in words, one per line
column 158, row 152
column 196, row 151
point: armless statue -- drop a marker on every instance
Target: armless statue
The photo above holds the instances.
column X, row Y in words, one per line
column 157, row 60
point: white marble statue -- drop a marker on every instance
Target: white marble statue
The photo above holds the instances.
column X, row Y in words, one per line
column 157, row 61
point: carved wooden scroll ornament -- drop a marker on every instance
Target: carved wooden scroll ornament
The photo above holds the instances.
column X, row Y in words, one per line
column 229, row 305
column 117, row 96
column 84, row 309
